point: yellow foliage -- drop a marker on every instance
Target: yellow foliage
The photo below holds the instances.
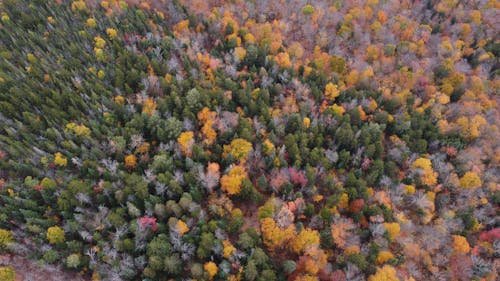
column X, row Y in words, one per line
column 60, row 160
column 91, row 22
column 130, row 161
column 470, row 180
column 331, row 91
column 55, row 235
column 306, row 277
column 239, row 148
column 206, row 118
column 475, row 16
column 181, row 227
column 119, row 100
column 409, row 189
column 249, row 38
column 111, row 33
column 307, row 122
column 181, row 26
column 469, row 128
column 228, row 249
column 384, row 256
column 5, row 238
column 240, row 53
column 372, row 52
column 100, row 74
column 386, row 273
column 231, row 183
column 7, row 273
column 344, row 201
column 274, row 236
column 211, row 268
column 79, row 130
column 149, row 106
column 78, row 6
column 99, row 42
column 283, row 60
column 392, row 229
column 460, row 244
column 5, row 17
column 352, row 78
column 428, row 176
column 268, row 147
column 99, row 53
column 186, row 142
column 338, row 109
column 306, row 238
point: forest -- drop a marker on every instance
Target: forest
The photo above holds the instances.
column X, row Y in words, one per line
column 250, row 140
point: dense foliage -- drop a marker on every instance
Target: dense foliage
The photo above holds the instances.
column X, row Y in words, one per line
column 259, row 140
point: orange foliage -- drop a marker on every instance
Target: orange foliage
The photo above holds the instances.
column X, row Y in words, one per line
column 207, row 119
column 149, row 106
column 130, row 161
column 460, row 244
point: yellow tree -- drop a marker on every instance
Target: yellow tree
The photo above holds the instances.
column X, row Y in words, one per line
column 207, row 119
column 211, row 268
column 273, row 235
column 331, row 91
column 149, row 106
column 186, row 142
column 239, row 148
column 231, row 183
column 307, row 238
column 130, row 161
column 470, row 180
column 427, row 175
column 386, row 273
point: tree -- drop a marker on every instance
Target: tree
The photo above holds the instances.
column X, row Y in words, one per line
column 460, row 244
column 386, row 273
column 6, row 238
column 424, row 168
column 207, row 119
column 307, row 238
column 392, row 229
column 231, row 183
column 211, row 269
column 149, row 106
column 239, row 148
column 186, row 142
column 331, row 91
column 60, row 160
column 470, row 180
column 55, row 235
column 130, row 161
column 7, row 273
column 274, row 236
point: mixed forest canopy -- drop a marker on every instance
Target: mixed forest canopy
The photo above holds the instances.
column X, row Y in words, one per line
column 251, row 140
